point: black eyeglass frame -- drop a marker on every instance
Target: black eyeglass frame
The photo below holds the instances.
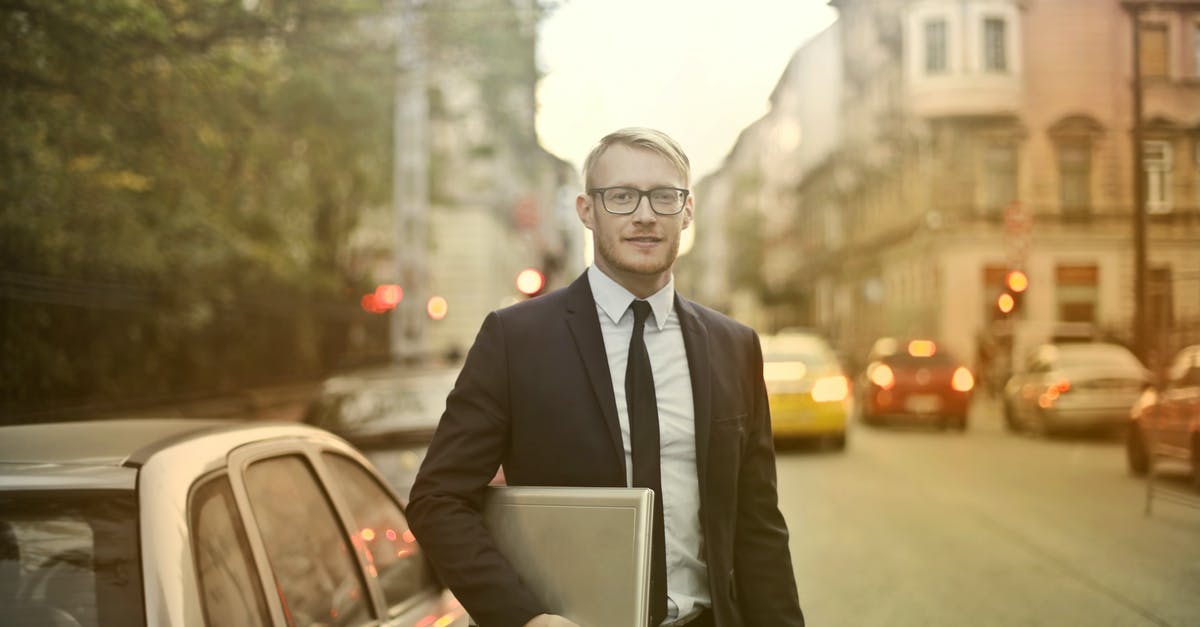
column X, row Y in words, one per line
column 641, row 193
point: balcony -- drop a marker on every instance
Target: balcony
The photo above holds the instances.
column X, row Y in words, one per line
column 965, row 95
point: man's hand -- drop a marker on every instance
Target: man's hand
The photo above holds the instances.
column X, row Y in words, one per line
column 550, row 620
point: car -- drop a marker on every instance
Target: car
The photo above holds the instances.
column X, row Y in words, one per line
column 163, row 522
column 915, row 380
column 808, row 392
column 1165, row 421
column 1074, row 386
column 388, row 413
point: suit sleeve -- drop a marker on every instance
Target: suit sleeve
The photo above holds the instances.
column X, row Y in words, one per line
column 447, row 495
column 764, row 579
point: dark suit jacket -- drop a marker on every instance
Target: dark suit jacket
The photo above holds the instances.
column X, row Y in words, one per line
column 535, row 395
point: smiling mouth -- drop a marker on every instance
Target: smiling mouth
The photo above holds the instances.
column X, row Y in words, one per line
column 643, row 240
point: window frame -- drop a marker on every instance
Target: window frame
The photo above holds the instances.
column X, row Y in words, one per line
column 999, row 44
column 936, row 60
column 391, row 611
column 1159, row 173
column 240, row 461
column 193, row 520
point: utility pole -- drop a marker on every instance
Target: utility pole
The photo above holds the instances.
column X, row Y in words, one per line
column 410, row 180
column 1140, row 336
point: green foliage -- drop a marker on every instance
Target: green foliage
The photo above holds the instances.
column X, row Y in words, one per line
column 177, row 182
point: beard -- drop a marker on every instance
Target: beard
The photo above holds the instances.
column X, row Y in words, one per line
column 630, row 262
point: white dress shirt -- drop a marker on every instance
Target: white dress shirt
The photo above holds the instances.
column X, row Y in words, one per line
column 687, row 573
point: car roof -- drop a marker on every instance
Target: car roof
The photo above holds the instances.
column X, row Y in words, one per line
column 98, row 442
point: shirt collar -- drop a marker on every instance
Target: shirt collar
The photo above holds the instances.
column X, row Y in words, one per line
column 614, row 299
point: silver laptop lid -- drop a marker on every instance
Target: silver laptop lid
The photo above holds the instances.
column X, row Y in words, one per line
column 584, row 552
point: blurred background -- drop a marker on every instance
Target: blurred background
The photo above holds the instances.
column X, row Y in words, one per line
column 204, row 197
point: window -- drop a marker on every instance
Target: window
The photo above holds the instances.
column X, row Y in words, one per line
column 1000, row 178
column 935, row 46
column 1156, row 158
column 1196, row 50
column 230, row 591
column 382, row 531
column 315, row 566
column 1075, row 178
column 1078, row 292
column 70, row 557
column 1153, row 45
column 995, row 52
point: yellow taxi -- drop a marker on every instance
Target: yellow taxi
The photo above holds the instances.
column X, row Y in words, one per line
column 808, row 391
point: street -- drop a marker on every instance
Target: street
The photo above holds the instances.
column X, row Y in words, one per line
column 914, row 526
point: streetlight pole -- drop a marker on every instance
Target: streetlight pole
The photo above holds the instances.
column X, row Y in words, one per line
column 410, row 180
column 1140, row 335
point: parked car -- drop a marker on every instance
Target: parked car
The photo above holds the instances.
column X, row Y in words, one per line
column 1074, row 386
column 915, row 380
column 388, row 413
column 808, row 392
column 1166, row 420
column 202, row 522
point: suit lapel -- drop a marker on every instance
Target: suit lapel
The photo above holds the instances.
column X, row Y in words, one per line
column 584, row 323
column 695, row 342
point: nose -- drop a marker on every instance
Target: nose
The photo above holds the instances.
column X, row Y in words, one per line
column 647, row 215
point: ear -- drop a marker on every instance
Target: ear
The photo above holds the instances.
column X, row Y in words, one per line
column 586, row 210
column 689, row 208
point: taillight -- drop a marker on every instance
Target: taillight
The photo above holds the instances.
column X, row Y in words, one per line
column 829, row 389
column 962, row 381
column 1063, row 385
column 882, row 375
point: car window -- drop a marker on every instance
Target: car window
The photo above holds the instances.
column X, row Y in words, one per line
column 383, row 532
column 69, row 557
column 230, row 590
column 315, row 568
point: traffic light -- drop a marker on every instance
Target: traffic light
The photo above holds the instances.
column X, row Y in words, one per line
column 1008, row 303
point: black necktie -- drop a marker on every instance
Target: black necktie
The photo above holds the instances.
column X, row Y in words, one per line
column 643, row 435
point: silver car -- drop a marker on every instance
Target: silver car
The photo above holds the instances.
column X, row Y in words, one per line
column 1075, row 386
column 194, row 522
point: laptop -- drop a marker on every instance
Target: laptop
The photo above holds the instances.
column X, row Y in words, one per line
column 584, row 552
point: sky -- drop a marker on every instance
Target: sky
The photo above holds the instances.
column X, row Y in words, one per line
column 700, row 70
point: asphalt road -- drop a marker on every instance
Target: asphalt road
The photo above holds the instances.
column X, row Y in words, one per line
column 914, row 526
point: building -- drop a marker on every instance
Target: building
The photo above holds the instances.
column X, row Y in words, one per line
column 496, row 198
column 979, row 137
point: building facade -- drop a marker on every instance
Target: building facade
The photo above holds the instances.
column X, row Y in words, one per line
column 979, row 137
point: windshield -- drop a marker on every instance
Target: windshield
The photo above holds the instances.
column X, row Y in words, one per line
column 70, row 555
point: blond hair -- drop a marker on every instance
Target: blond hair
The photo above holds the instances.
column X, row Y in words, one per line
column 639, row 137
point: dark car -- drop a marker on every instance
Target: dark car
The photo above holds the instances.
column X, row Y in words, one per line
column 389, row 414
column 1077, row 386
column 204, row 522
column 915, row 380
column 1166, row 420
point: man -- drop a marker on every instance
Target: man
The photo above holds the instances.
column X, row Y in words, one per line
column 558, row 390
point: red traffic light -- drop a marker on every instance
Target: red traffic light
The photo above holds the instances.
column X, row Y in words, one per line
column 530, row 281
column 1006, row 303
column 1017, row 281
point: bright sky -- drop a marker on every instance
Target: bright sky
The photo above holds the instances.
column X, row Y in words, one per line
column 700, row 70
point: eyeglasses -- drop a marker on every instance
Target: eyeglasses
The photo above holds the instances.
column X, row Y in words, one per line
column 665, row 201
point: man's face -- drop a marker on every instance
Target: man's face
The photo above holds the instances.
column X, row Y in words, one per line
column 637, row 250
